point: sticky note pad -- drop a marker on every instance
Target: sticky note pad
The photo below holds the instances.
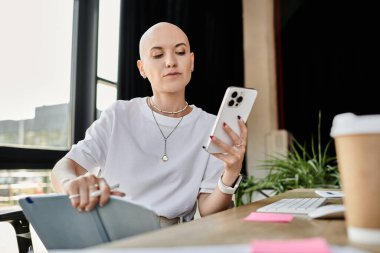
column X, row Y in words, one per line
column 310, row 245
column 269, row 217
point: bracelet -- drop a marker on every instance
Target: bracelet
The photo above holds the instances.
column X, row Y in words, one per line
column 228, row 189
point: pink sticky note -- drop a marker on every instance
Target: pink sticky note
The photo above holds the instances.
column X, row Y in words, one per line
column 269, row 217
column 311, row 245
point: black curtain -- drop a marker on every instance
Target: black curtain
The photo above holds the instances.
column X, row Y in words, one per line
column 329, row 60
column 215, row 31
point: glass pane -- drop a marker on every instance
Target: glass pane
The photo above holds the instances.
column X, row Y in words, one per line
column 108, row 39
column 13, row 185
column 17, row 183
column 106, row 95
column 35, row 62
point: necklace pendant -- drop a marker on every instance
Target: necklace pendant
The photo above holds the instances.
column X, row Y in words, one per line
column 165, row 158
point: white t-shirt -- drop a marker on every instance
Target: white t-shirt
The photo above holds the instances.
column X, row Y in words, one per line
column 126, row 143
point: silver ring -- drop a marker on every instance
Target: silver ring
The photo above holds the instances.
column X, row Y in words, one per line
column 73, row 196
column 95, row 186
column 240, row 144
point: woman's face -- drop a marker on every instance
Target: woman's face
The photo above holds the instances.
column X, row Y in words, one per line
column 166, row 59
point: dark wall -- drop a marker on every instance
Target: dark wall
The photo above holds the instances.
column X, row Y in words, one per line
column 328, row 61
column 215, row 31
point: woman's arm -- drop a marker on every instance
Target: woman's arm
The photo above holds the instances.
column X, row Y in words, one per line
column 65, row 170
column 233, row 161
column 71, row 178
column 209, row 203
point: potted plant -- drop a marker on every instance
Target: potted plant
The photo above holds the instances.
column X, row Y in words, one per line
column 300, row 168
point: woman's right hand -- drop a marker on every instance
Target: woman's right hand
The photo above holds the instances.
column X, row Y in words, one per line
column 79, row 190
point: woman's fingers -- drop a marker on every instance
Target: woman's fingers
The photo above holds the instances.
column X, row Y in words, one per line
column 224, row 157
column 236, row 139
column 233, row 154
column 72, row 188
column 224, row 146
column 238, row 142
column 81, row 189
column 117, row 193
column 75, row 199
column 85, row 183
column 105, row 192
column 243, row 129
column 92, row 188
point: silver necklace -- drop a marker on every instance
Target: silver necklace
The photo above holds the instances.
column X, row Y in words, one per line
column 167, row 112
column 165, row 157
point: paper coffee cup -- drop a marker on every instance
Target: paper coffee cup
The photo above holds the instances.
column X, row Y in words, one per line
column 357, row 143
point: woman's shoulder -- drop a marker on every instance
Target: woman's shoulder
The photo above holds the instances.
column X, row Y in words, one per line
column 205, row 116
column 119, row 108
column 122, row 105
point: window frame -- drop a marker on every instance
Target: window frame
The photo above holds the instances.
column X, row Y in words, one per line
column 82, row 94
column 103, row 80
column 100, row 80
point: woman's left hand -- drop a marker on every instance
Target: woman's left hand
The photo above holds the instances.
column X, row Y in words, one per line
column 233, row 155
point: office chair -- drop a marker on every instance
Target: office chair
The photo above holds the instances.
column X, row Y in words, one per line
column 21, row 225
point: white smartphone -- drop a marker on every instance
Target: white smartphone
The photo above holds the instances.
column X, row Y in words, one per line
column 237, row 101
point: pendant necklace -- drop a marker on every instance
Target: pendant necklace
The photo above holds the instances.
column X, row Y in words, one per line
column 165, row 157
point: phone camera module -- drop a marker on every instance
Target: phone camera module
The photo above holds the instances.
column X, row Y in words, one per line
column 234, row 94
column 231, row 103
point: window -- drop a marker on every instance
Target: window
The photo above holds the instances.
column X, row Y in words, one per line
column 36, row 56
column 16, row 183
column 39, row 49
column 108, row 43
column 106, row 94
column 35, row 64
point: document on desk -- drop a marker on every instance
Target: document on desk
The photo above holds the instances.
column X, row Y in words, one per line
column 60, row 226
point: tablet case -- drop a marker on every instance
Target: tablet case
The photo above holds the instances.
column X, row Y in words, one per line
column 60, row 226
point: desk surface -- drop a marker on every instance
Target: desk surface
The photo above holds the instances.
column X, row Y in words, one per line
column 228, row 227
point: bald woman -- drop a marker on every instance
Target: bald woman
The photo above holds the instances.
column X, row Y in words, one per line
column 152, row 146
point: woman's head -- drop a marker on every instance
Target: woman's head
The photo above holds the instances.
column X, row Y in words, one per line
column 165, row 58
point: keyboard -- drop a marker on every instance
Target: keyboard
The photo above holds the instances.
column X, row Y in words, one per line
column 295, row 206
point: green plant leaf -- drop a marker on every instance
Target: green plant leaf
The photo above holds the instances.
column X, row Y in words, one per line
column 297, row 169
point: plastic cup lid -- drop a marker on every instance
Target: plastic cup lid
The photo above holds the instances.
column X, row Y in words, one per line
column 349, row 123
